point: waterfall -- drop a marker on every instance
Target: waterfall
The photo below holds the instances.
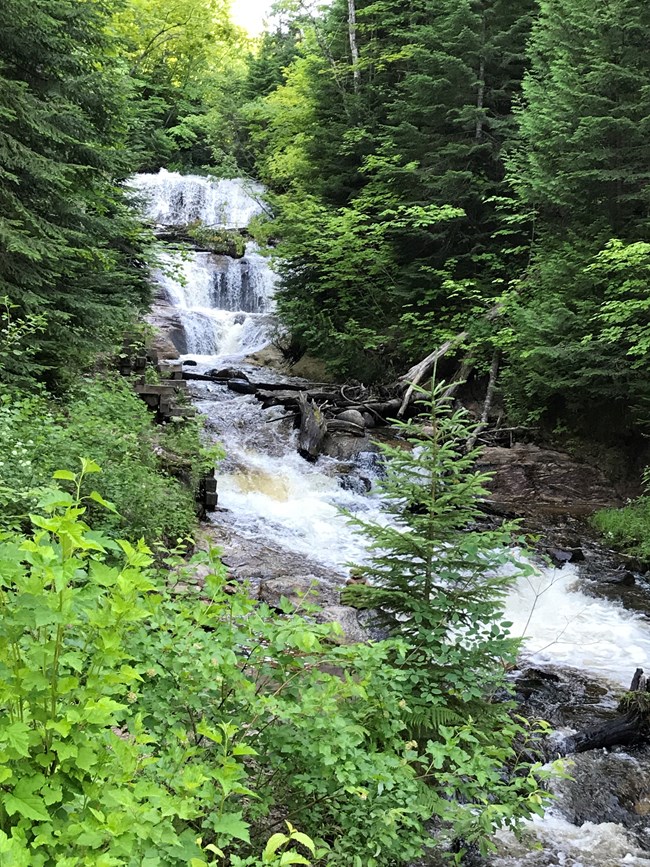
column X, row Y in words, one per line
column 225, row 305
column 172, row 199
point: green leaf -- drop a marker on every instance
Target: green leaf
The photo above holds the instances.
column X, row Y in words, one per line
column 27, row 804
column 306, row 841
column 292, row 858
column 17, row 736
column 97, row 497
column 243, row 750
column 233, row 825
column 272, row 846
column 64, row 474
column 88, row 466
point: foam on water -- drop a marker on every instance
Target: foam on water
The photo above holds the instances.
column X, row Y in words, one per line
column 564, row 626
column 223, row 303
column 561, row 843
column 172, row 199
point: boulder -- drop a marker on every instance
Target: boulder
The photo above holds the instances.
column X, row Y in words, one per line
column 311, row 368
column 348, row 620
column 268, row 356
column 348, row 428
column 353, row 416
column 270, row 570
column 303, row 589
column 560, row 556
column 346, row 448
column 227, row 373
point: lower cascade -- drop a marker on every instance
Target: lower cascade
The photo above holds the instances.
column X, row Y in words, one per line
column 581, row 647
column 221, row 301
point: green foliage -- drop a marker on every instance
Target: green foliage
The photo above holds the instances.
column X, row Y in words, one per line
column 223, row 242
column 627, row 528
column 72, row 254
column 577, row 339
column 341, row 279
column 105, row 418
column 583, row 160
column 186, row 63
column 145, row 718
column 386, row 180
column 72, row 788
column 580, row 171
column 16, row 352
column 437, row 579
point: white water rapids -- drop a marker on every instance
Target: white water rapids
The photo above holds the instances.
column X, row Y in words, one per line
column 226, row 308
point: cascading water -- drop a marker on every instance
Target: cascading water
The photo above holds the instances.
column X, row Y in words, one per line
column 224, row 303
column 171, row 199
column 272, row 494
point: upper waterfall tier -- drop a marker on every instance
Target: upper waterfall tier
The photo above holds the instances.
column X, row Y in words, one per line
column 172, row 199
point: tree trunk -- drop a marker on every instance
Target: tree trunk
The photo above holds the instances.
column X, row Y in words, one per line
column 480, row 100
column 416, row 374
column 313, row 429
column 354, row 48
column 489, row 397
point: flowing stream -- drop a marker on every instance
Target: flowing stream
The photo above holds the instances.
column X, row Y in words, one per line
column 581, row 647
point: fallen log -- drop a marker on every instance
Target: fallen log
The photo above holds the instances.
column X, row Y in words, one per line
column 313, row 428
column 630, row 728
column 286, row 397
column 417, row 373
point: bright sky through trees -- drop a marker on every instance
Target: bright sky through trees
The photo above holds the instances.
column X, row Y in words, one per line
column 250, row 14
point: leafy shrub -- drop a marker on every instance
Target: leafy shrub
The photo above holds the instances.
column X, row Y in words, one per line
column 102, row 417
column 629, row 528
column 69, row 793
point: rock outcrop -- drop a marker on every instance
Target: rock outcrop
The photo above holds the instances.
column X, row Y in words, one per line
column 532, row 480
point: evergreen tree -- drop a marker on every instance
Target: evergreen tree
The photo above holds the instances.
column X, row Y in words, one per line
column 71, row 250
column 582, row 166
column 435, row 576
column 584, row 159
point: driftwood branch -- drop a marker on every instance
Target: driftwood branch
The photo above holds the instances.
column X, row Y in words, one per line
column 417, row 373
column 313, row 428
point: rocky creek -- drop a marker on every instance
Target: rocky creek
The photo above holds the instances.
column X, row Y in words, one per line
column 585, row 622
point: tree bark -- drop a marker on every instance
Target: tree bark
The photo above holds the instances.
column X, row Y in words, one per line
column 354, row 48
column 480, row 101
column 313, row 429
column 489, row 397
column 632, row 727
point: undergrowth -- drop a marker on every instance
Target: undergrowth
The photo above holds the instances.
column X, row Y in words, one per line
column 151, row 718
column 628, row 528
column 102, row 416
